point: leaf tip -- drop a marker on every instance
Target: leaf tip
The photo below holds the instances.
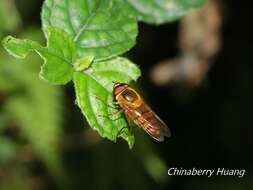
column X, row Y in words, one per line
column 6, row 40
column 8, row 43
column 83, row 63
column 19, row 48
column 129, row 138
column 130, row 142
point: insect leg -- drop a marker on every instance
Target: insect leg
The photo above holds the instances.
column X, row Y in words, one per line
column 129, row 126
column 107, row 116
column 121, row 131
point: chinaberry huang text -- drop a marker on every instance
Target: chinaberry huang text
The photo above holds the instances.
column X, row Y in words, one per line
column 174, row 171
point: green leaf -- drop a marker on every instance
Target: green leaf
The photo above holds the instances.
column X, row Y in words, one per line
column 162, row 11
column 94, row 96
column 20, row 48
column 83, row 63
column 99, row 28
column 58, row 55
column 7, row 150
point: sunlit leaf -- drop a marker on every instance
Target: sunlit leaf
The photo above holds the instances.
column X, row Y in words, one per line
column 162, row 11
column 95, row 98
column 83, row 38
column 58, row 55
column 99, row 28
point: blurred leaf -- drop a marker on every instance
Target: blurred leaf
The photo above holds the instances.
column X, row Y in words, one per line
column 9, row 22
column 156, row 167
column 7, row 150
column 162, row 11
column 35, row 107
column 58, row 55
column 16, row 177
column 100, row 28
column 94, row 94
column 2, row 122
column 153, row 163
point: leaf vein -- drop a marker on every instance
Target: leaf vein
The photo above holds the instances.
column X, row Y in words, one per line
column 87, row 22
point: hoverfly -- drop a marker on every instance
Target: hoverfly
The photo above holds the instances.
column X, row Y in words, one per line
column 139, row 112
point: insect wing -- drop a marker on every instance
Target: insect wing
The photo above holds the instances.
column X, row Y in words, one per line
column 151, row 123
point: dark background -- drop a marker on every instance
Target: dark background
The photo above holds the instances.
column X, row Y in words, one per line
column 211, row 125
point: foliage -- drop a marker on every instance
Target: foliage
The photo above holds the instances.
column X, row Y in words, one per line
column 162, row 11
column 99, row 28
column 84, row 40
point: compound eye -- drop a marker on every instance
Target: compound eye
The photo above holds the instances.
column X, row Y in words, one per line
column 130, row 96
